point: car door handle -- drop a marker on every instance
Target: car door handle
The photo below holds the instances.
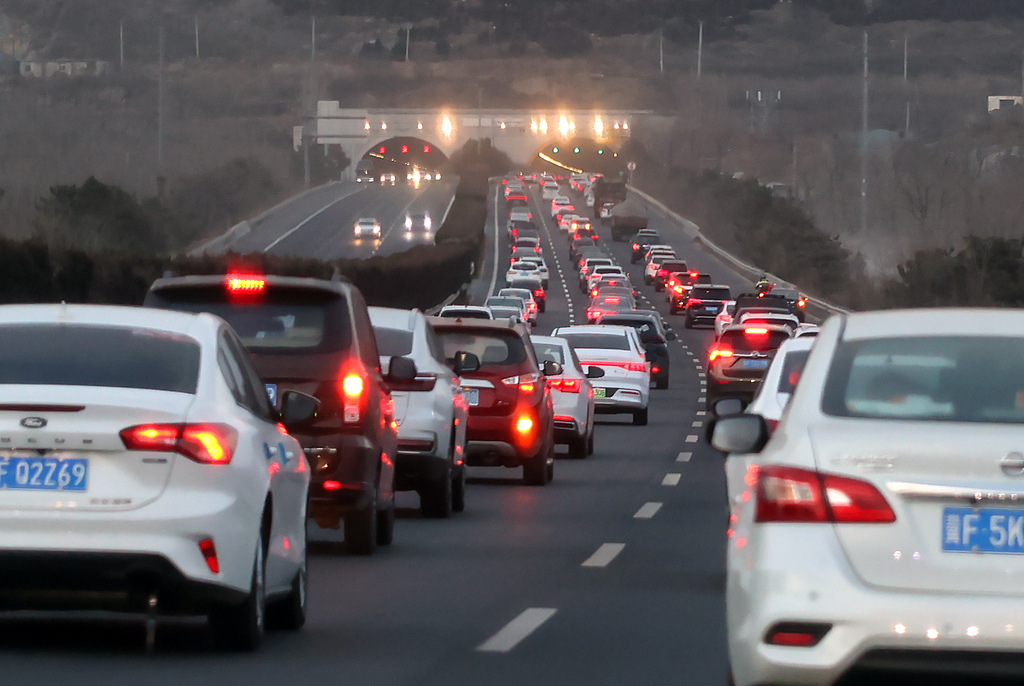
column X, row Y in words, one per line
column 1012, row 464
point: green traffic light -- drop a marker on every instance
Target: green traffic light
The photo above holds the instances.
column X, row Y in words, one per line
column 554, row 150
column 576, row 150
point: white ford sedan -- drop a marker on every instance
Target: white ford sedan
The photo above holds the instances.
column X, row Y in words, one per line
column 142, row 469
column 572, row 395
column 882, row 525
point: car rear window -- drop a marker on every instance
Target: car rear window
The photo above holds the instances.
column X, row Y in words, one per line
column 393, row 342
column 464, row 314
column 741, row 341
column 944, row 378
column 107, row 356
column 710, row 293
column 496, row 301
column 673, row 266
column 792, row 368
column 609, row 341
column 492, row 348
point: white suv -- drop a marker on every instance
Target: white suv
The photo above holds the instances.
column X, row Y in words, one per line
column 430, row 411
column 626, row 384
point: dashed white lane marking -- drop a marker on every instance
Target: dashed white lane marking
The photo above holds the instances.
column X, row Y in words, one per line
column 671, row 479
column 683, row 457
column 697, row 423
column 689, row 353
column 692, row 438
column 700, row 413
column 647, row 511
column 604, row 555
column 515, row 631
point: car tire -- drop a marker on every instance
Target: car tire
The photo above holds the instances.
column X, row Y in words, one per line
column 240, row 626
column 647, row 280
column 289, row 613
column 459, row 490
column 590, row 442
column 658, row 288
column 688, row 322
column 640, row 417
column 541, row 469
column 436, row 498
column 578, row 447
column 361, row 530
column 672, row 309
column 386, row 525
column 662, row 382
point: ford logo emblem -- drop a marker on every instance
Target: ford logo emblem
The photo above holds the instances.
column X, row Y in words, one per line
column 33, row 422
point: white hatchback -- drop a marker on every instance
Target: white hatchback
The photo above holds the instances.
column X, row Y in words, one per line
column 430, row 411
column 882, row 526
column 143, row 469
column 626, row 384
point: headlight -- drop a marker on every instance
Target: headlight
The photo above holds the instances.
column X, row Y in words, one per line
column 426, row 222
column 408, row 222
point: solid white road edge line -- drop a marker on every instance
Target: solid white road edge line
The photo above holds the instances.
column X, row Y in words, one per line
column 671, row 479
column 494, row 276
column 515, row 631
column 305, row 221
column 647, row 511
column 604, row 555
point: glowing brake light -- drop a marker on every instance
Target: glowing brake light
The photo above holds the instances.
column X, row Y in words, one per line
column 565, row 385
column 695, row 301
column 246, row 284
column 719, row 352
column 593, row 293
column 203, row 443
column 662, row 272
column 209, row 552
column 539, row 292
column 756, row 331
column 693, row 275
column 353, row 397
column 611, row 300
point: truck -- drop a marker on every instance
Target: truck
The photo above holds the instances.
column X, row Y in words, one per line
column 607, row 192
column 627, row 218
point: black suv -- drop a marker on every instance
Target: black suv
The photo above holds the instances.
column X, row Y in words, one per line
column 643, row 239
column 679, row 285
column 315, row 336
column 653, row 337
column 665, row 270
column 704, row 304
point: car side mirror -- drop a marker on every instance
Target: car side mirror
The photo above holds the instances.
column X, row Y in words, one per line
column 594, row 372
column 670, row 336
column 552, row 368
column 727, row 407
column 465, row 362
column 738, row 434
column 297, row 409
column 401, row 369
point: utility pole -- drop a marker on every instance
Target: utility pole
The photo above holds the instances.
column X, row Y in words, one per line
column 864, row 145
column 310, row 104
column 905, row 58
column 121, row 38
column 160, row 102
column 661, row 50
column 197, row 36
column 408, row 30
column 700, row 49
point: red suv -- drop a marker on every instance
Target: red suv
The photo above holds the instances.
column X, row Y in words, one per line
column 511, row 420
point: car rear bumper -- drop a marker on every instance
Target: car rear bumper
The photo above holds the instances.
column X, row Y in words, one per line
column 350, row 463
column 800, row 575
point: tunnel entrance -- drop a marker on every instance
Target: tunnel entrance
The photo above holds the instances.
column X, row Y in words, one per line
column 402, row 159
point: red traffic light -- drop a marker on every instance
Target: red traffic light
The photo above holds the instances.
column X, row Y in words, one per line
column 405, row 149
column 382, row 150
column 426, row 148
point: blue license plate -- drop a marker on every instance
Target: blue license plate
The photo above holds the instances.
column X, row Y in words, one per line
column 272, row 393
column 755, row 364
column 711, row 309
column 966, row 530
column 44, row 474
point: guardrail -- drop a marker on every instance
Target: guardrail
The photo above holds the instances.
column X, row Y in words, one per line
column 822, row 308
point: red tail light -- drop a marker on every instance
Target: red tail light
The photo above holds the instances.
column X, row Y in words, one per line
column 789, row 494
column 693, row 275
column 636, row 247
column 695, row 301
column 611, row 300
column 209, row 552
column 352, row 388
column 527, row 382
column 772, row 424
column 565, row 385
column 628, row 366
column 592, row 314
column 539, row 293
column 203, row 443
column 238, row 284
column 755, row 331
column 719, row 352
column 662, row 272
column 536, row 248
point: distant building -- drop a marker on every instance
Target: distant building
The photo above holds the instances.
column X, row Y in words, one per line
column 1004, row 102
column 68, row 67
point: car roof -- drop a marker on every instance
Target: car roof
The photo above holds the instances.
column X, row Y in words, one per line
column 394, row 318
column 600, row 329
column 492, row 325
column 113, row 315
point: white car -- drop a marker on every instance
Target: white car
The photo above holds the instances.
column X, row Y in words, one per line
column 771, row 318
column 549, row 189
column 588, row 197
column 724, row 317
column 558, row 203
column 599, row 272
column 780, row 381
column 502, row 307
column 430, row 411
column 521, row 268
column 626, row 384
column 654, row 262
column 572, row 395
column 542, row 268
column 526, row 295
column 366, row 226
column 519, row 214
column 143, row 469
column 591, row 263
column 881, row 522
column 465, row 312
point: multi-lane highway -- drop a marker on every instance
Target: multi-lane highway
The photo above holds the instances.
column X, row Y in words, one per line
column 319, row 224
